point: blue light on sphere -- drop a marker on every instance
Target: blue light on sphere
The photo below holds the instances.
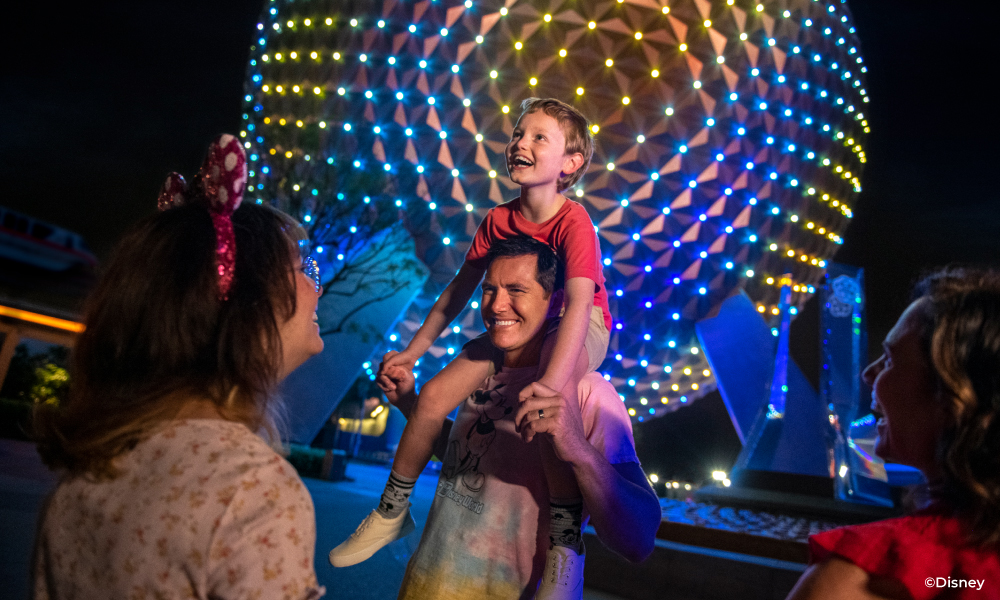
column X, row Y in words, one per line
column 703, row 108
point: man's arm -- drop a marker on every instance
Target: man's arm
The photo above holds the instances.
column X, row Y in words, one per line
column 624, row 509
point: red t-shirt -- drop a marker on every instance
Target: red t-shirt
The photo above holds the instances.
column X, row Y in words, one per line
column 570, row 234
column 927, row 552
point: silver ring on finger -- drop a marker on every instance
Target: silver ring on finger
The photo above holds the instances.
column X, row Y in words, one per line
column 541, row 413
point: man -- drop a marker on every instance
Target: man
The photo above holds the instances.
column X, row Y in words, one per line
column 489, row 525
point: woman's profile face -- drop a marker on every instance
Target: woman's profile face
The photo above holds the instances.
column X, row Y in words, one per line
column 300, row 337
column 904, row 396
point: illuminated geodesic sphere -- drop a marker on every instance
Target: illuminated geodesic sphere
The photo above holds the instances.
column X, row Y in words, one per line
column 729, row 144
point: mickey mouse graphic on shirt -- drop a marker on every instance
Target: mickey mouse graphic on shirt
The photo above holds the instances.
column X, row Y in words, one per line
column 492, row 406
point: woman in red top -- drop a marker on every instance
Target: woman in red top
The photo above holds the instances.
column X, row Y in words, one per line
column 936, row 394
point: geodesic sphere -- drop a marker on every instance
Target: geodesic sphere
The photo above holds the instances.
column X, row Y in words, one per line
column 729, row 144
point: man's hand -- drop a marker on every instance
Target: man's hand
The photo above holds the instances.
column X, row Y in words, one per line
column 560, row 419
column 393, row 359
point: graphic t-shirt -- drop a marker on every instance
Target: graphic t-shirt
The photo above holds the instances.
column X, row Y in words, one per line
column 487, row 532
column 570, row 234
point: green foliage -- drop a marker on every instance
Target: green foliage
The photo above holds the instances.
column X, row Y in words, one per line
column 37, row 378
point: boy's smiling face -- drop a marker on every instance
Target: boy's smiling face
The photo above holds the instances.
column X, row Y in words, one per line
column 536, row 154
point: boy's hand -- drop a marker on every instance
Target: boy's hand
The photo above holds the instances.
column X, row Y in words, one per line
column 393, row 359
column 402, row 385
column 560, row 420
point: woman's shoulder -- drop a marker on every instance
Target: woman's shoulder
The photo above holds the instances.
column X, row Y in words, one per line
column 188, row 453
column 908, row 549
column 923, row 529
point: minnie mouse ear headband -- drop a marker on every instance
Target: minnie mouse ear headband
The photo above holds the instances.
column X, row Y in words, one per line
column 219, row 185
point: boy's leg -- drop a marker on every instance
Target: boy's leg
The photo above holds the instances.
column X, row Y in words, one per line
column 562, row 577
column 438, row 397
column 566, row 503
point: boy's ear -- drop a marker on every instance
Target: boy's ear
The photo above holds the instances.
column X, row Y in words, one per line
column 572, row 163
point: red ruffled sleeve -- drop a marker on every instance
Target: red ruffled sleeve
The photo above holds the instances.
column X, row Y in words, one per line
column 915, row 550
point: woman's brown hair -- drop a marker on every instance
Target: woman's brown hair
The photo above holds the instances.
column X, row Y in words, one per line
column 157, row 335
column 962, row 338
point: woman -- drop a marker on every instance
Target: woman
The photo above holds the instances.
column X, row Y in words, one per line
column 167, row 491
column 936, row 394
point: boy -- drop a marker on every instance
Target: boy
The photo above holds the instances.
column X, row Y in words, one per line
column 549, row 151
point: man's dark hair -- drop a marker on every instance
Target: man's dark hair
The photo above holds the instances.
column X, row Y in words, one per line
column 549, row 269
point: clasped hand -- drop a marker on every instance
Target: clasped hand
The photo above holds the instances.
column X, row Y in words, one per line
column 560, row 419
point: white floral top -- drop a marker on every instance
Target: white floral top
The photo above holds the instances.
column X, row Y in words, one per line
column 204, row 508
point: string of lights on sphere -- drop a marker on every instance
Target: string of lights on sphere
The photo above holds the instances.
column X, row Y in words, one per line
column 729, row 145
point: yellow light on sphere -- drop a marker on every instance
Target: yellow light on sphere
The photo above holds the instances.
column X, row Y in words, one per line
column 416, row 97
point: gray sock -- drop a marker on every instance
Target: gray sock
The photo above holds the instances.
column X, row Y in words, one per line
column 396, row 497
column 565, row 519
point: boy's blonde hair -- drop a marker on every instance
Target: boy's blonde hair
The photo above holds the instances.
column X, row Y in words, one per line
column 575, row 127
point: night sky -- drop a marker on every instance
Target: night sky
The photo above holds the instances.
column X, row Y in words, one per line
column 99, row 101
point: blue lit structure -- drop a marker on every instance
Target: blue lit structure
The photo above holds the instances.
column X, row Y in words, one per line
column 729, row 144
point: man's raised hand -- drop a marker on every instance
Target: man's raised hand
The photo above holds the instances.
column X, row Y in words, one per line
column 559, row 419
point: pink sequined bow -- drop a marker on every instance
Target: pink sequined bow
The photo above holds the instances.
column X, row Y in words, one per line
column 221, row 182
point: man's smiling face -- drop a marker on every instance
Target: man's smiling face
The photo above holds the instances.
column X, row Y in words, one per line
column 514, row 308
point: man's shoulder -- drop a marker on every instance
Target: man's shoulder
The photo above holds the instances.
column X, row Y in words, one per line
column 594, row 388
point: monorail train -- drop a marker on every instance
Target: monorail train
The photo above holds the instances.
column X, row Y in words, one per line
column 27, row 240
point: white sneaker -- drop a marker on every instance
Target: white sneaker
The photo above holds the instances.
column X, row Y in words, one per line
column 562, row 578
column 374, row 532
